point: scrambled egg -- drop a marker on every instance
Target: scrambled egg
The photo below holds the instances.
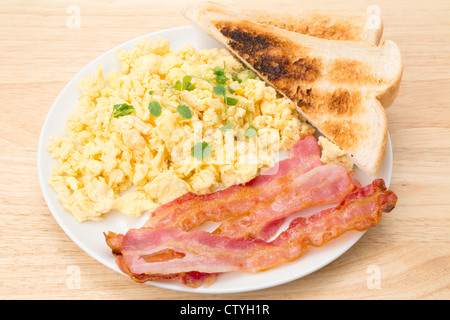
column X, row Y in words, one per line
column 331, row 153
column 137, row 162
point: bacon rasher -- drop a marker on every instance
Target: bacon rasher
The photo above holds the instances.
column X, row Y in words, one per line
column 298, row 182
column 191, row 210
column 192, row 279
column 200, row 251
column 327, row 184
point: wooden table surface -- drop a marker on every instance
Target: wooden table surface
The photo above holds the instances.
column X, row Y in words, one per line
column 407, row 256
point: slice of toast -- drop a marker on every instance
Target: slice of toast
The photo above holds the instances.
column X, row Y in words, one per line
column 326, row 24
column 340, row 87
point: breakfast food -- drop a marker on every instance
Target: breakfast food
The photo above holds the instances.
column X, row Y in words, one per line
column 192, row 210
column 325, row 184
column 193, row 137
column 252, row 210
column 255, row 208
column 326, row 24
column 130, row 148
column 340, row 87
column 169, row 248
column 148, row 253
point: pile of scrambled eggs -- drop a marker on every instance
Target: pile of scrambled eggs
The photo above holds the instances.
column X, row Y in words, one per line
column 137, row 162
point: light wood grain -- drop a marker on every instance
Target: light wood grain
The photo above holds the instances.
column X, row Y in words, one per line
column 39, row 54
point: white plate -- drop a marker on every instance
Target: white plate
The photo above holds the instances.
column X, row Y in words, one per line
column 89, row 235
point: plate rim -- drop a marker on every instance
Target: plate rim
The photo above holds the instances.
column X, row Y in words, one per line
column 43, row 183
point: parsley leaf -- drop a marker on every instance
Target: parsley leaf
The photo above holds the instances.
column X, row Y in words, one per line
column 188, row 86
column 185, row 85
column 221, row 77
column 219, row 71
column 178, row 85
column 219, row 90
column 231, row 101
column 155, row 108
column 184, row 111
column 201, row 150
column 236, row 78
column 120, row 110
column 250, row 132
column 226, row 127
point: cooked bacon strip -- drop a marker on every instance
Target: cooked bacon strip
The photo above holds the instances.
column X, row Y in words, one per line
column 192, row 279
column 327, row 184
column 191, row 210
column 321, row 185
column 206, row 252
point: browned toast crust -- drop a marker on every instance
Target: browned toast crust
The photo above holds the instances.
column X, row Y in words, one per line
column 340, row 87
column 289, row 68
column 320, row 26
column 325, row 24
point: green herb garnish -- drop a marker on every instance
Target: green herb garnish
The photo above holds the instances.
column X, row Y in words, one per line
column 155, row 108
column 221, row 77
column 185, row 85
column 219, row 90
column 178, row 86
column 251, row 130
column 182, row 108
column 120, row 110
column 236, row 78
column 201, row 150
column 231, row 101
column 184, row 111
column 226, row 127
column 123, row 109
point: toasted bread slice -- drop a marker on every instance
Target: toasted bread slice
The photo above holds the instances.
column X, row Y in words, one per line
column 326, row 24
column 338, row 86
